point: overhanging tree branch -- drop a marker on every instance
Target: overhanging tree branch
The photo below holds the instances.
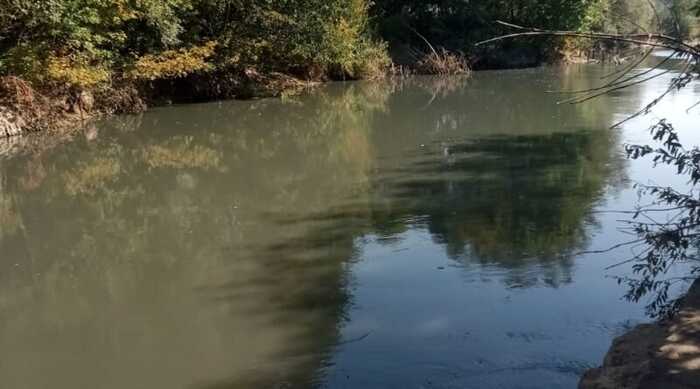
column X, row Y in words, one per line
column 675, row 240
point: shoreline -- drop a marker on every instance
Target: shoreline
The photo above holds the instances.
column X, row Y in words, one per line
column 25, row 109
column 663, row 354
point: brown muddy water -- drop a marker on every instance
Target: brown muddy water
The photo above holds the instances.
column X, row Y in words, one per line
column 423, row 233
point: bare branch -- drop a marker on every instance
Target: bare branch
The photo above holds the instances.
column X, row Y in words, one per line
column 618, row 80
column 577, row 100
column 424, row 39
column 641, row 210
column 649, row 40
column 630, row 67
column 673, row 86
column 611, row 248
column 656, row 14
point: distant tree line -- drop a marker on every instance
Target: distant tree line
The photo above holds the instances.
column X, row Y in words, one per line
column 96, row 44
column 458, row 24
column 89, row 43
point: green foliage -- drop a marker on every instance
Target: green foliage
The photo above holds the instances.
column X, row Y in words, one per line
column 677, row 17
column 457, row 24
column 291, row 35
column 88, row 33
column 670, row 244
column 174, row 63
column 98, row 41
column 165, row 39
column 76, row 72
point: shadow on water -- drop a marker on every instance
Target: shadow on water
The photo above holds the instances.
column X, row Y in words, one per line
column 210, row 245
column 503, row 201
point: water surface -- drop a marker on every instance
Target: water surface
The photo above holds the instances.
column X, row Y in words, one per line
column 423, row 233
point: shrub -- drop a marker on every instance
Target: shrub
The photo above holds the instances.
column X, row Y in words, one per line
column 174, row 63
column 443, row 62
column 76, row 73
column 88, row 44
column 372, row 60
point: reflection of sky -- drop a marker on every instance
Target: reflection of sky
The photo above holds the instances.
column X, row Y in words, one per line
column 637, row 131
column 431, row 320
column 422, row 320
column 674, row 107
column 236, row 274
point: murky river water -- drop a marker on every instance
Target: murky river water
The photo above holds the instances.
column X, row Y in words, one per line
column 415, row 234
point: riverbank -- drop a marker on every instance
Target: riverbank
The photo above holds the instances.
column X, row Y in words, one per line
column 405, row 186
column 658, row 355
column 25, row 109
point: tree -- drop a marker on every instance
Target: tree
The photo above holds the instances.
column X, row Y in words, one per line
column 91, row 43
column 457, row 24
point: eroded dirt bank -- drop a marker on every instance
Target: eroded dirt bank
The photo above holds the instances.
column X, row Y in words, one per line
column 24, row 109
column 659, row 355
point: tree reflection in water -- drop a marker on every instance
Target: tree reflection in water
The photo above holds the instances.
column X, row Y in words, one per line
column 209, row 245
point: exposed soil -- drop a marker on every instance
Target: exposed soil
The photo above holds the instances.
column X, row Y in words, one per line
column 650, row 356
column 24, row 109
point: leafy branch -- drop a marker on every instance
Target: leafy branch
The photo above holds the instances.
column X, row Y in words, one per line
column 676, row 240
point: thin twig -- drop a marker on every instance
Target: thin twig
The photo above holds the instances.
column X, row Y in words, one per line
column 359, row 338
column 631, row 66
column 674, row 85
column 618, row 80
column 626, row 261
column 424, row 39
column 659, row 25
column 611, row 248
column 578, row 100
column 641, row 210
column 652, row 40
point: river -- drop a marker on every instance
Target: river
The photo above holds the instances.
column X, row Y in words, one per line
column 420, row 233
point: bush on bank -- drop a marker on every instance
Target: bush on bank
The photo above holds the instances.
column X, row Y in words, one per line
column 99, row 45
column 457, row 24
column 125, row 52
